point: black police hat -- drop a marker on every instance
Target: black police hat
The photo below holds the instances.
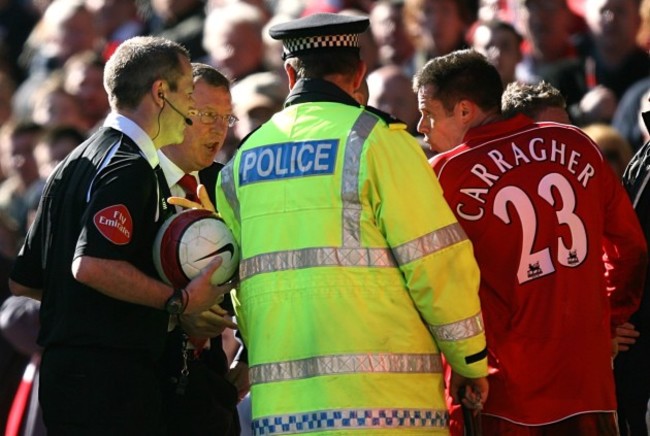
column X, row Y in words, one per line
column 319, row 32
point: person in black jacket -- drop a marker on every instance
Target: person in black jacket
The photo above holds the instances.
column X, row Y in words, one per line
column 631, row 366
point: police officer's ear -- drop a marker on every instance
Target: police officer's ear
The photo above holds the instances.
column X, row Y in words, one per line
column 360, row 74
column 292, row 74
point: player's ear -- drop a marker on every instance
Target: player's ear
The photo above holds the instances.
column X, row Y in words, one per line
column 465, row 110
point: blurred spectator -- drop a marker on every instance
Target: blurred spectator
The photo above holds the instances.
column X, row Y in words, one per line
column 83, row 74
column 181, row 21
column 66, row 28
column 54, row 106
column 643, row 37
column 9, row 239
column 12, row 362
column 627, row 118
column 436, row 27
column 272, row 47
column 233, row 39
column 289, row 8
column 387, row 27
column 16, row 22
column 116, row 21
column 613, row 26
column 19, row 324
column 7, row 89
column 548, row 44
column 501, row 44
column 361, row 94
column 367, row 44
column 17, row 141
column 334, row 6
column 390, row 90
column 53, row 146
column 612, row 60
column 616, row 150
column 490, row 10
column 256, row 98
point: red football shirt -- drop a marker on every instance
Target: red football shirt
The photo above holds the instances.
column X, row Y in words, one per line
column 540, row 205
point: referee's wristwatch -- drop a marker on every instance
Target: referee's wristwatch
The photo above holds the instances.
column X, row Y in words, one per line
column 174, row 304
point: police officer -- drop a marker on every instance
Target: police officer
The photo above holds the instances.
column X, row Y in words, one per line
column 104, row 312
column 355, row 275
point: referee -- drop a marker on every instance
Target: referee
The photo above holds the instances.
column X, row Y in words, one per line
column 87, row 257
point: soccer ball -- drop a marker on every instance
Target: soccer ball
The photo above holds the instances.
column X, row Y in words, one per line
column 188, row 241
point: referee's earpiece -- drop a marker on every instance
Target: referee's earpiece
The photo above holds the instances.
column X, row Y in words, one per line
column 161, row 95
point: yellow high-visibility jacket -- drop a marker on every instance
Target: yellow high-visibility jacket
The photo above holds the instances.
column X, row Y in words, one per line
column 355, row 275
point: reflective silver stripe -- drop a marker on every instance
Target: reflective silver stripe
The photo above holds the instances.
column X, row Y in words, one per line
column 351, row 254
column 314, row 257
column 456, row 331
column 428, row 244
column 228, row 186
column 351, row 419
column 345, row 364
column 351, row 219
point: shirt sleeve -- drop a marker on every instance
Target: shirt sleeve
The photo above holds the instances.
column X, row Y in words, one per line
column 431, row 248
column 121, row 210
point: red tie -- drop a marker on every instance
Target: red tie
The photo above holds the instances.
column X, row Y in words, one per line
column 189, row 184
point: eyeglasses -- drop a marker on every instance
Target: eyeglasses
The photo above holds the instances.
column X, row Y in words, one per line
column 211, row 118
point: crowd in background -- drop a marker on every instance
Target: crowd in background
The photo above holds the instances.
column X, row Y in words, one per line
column 52, row 55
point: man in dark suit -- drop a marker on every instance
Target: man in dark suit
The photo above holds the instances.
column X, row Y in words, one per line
column 201, row 391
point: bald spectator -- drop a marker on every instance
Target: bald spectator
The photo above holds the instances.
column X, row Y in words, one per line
column 232, row 37
column 256, row 98
column 390, row 90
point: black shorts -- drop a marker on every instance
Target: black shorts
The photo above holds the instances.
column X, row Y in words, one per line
column 96, row 391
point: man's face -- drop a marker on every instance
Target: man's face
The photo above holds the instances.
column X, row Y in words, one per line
column 613, row 23
column 442, row 130
column 172, row 121
column 501, row 47
column 204, row 138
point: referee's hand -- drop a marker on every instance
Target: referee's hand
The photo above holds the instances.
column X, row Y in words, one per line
column 201, row 293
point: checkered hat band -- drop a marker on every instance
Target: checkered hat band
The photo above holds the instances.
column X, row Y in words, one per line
column 323, row 41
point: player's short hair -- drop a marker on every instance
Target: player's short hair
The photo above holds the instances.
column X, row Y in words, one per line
column 530, row 99
column 462, row 75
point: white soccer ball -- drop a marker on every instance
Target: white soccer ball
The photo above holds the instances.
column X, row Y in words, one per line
column 188, row 241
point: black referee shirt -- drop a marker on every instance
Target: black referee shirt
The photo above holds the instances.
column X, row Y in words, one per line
column 102, row 201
